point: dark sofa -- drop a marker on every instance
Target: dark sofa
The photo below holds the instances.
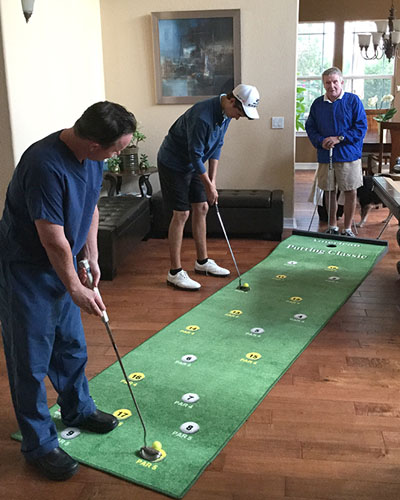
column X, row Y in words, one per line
column 245, row 213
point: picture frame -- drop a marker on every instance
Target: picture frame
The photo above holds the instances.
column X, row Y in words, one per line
column 196, row 54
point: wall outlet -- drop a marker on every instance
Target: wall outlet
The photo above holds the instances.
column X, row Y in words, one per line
column 278, row 122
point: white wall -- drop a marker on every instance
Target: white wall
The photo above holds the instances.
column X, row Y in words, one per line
column 53, row 69
column 6, row 150
column 254, row 155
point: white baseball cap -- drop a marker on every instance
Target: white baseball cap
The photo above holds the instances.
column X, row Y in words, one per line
column 249, row 98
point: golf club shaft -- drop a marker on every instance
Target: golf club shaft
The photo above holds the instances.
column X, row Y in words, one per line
column 329, row 186
column 315, row 208
column 85, row 265
column 227, row 241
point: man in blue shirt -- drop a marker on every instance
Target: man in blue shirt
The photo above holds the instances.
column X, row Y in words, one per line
column 194, row 139
column 338, row 121
column 50, row 217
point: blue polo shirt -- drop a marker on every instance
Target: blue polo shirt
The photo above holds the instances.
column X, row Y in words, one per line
column 346, row 117
column 48, row 183
column 195, row 137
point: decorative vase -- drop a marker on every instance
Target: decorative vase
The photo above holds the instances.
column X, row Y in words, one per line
column 384, row 132
column 130, row 159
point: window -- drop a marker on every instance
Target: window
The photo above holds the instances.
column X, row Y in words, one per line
column 315, row 43
column 365, row 78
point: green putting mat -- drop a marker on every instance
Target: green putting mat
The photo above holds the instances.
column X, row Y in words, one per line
column 228, row 352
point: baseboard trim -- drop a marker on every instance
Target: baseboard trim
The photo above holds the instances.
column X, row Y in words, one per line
column 289, row 223
column 305, row 166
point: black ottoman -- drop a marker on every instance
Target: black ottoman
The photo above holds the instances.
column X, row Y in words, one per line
column 250, row 213
column 124, row 221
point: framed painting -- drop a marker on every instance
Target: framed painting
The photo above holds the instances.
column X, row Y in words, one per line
column 196, row 54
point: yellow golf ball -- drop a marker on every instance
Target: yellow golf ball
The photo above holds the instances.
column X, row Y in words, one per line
column 157, row 445
column 246, row 285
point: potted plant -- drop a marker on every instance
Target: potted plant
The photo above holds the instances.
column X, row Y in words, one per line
column 144, row 162
column 386, row 114
column 113, row 164
column 130, row 155
column 300, row 108
column 389, row 113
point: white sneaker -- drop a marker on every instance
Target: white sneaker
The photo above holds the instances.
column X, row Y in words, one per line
column 181, row 280
column 210, row 267
column 348, row 232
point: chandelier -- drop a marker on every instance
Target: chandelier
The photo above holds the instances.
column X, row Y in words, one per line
column 384, row 40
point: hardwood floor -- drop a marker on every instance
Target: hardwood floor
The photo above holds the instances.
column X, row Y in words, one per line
column 329, row 429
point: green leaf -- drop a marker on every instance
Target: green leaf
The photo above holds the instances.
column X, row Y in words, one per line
column 386, row 116
column 389, row 114
column 299, row 125
column 300, row 107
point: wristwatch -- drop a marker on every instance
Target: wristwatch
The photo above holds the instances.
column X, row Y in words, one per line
column 341, row 138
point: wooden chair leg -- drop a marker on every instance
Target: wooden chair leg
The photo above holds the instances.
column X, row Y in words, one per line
column 369, row 165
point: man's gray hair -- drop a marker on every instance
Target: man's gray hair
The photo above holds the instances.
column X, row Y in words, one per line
column 332, row 71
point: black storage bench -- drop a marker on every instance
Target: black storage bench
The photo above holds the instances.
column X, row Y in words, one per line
column 251, row 213
column 123, row 222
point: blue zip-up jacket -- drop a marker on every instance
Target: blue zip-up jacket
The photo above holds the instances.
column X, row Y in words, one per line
column 195, row 137
column 346, row 117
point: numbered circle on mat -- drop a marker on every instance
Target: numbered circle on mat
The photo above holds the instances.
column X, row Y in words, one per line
column 189, row 358
column 190, row 397
column 189, row 427
column 122, row 413
column 70, row 433
column 257, row 330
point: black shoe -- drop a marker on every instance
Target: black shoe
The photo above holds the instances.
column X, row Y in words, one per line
column 56, row 465
column 99, row 422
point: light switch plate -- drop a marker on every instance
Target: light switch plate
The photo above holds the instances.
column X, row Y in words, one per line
column 278, row 122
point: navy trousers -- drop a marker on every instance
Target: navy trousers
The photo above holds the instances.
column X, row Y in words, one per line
column 42, row 336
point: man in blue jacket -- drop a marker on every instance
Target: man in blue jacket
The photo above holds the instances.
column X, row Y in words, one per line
column 337, row 120
column 194, row 139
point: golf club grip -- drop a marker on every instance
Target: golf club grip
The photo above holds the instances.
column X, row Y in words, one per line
column 84, row 264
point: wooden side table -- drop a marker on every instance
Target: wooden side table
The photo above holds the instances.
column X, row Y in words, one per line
column 117, row 179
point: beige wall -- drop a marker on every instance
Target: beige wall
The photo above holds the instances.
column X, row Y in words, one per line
column 254, row 155
column 339, row 12
column 53, row 70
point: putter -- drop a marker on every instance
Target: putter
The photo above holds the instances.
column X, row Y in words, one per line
column 329, row 186
column 146, row 452
column 240, row 287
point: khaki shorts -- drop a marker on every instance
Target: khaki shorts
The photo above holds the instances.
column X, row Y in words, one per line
column 346, row 176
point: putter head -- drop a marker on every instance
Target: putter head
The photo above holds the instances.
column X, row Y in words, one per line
column 150, row 454
column 244, row 288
